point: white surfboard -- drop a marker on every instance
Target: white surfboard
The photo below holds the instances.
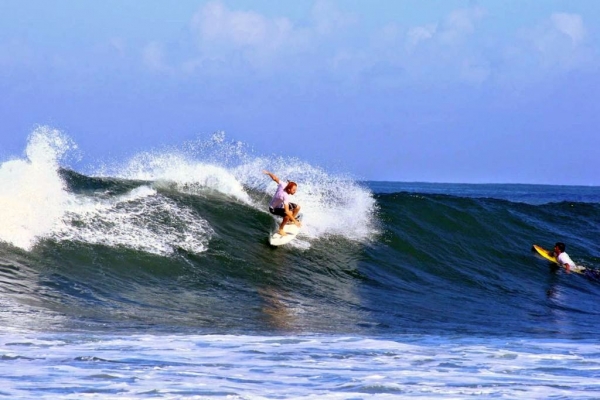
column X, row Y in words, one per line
column 277, row 240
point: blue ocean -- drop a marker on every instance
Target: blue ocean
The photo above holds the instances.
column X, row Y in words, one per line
column 153, row 277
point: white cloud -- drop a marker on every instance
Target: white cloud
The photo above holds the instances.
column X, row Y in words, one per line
column 552, row 47
column 266, row 42
column 454, row 49
column 215, row 23
column 558, row 44
column 571, row 25
column 445, row 51
column 231, row 42
column 445, row 47
column 328, row 19
column 456, row 26
column 459, row 23
column 416, row 35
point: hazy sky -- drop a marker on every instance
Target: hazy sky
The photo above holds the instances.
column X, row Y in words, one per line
column 401, row 90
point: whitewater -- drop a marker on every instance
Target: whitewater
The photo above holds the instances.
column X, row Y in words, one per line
column 152, row 277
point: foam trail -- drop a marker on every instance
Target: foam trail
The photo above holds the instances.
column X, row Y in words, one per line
column 33, row 198
column 133, row 220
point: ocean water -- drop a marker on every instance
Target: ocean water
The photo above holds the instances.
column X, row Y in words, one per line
column 153, row 278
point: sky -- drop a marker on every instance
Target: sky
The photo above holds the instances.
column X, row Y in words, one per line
column 496, row 91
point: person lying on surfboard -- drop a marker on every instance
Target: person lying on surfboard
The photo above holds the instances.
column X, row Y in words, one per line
column 562, row 257
column 281, row 206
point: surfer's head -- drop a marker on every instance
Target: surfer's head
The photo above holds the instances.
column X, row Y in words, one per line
column 561, row 246
column 291, row 187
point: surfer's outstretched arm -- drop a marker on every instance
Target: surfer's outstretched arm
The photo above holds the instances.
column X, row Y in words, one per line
column 275, row 178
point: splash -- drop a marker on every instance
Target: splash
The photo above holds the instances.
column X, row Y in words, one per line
column 33, row 197
column 332, row 205
column 193, row 167
column 35, row 202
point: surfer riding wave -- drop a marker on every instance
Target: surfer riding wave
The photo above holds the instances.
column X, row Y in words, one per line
column 281, row 206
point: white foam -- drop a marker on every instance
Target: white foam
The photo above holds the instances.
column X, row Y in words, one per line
column 35, row 204
column 190, row 176
column 33, row 197
column 129, row 220
column 332, row 205
column 135, row 220
column 302, row 367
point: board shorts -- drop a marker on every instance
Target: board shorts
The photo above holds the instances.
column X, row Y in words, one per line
column 280, row 211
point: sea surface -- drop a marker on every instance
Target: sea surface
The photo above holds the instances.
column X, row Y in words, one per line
column 153, row 278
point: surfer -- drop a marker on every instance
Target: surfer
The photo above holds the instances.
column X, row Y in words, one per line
column 562, row 257
column 281, row 206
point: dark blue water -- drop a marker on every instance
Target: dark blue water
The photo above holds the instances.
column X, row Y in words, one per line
column 442, row 258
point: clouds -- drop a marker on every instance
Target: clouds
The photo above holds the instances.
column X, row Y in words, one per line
column 447, row 50
column 251, row 40
column 328, row 19
column 469, row 46
column 336, row 41
column 331, row 42
column 459, row 24
column 458, row 47
column 418, row 34
column 563, row 43
column 216, row 24
column 473, row 45
column 570, row 25
column 556, row 45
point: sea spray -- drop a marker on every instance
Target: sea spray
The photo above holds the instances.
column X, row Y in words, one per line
column 36, row 203
column 33, row 198
column 187, row 174
column 332, row 205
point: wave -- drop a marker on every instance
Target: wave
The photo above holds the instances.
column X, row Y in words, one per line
column 133, row 204
column 176, row 239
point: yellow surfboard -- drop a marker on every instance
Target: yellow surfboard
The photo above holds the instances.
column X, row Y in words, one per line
column 547, row 254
